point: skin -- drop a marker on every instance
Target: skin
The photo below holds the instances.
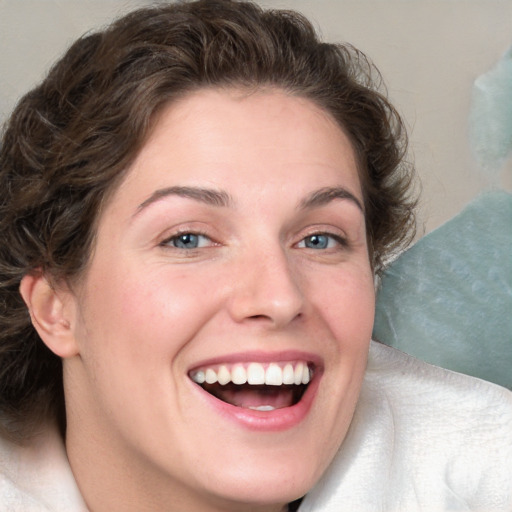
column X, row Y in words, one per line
column 145, row 312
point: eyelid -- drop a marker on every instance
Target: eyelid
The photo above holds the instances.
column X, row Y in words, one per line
column 328, row 230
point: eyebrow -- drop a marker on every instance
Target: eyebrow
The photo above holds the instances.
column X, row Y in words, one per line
column 205, row 195
column 220, row 198
column 325, row 195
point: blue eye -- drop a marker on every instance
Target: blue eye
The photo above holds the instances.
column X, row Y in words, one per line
column 316, row 242
column 187, row 241
column 320, row 241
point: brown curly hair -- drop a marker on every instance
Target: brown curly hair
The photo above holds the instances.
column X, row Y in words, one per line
column 70, row 140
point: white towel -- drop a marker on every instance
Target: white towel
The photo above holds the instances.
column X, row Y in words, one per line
column 422, row 439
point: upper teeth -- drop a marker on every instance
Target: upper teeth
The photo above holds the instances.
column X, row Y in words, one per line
column 273, row 374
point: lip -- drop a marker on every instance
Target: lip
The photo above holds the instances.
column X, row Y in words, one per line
column 270, row 421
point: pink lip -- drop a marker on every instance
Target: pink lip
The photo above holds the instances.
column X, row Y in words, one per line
column 269, row 421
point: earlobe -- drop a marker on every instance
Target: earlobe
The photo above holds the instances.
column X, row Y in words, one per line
column 50, row 313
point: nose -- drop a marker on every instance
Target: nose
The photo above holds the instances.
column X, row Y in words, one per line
column 266, row 289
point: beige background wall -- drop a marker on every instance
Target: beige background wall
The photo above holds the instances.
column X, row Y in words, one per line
column 429, row 52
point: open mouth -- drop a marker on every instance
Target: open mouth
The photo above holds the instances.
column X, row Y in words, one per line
column 256, row 386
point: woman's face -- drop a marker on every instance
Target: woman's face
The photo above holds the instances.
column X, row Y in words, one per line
column 234, row 250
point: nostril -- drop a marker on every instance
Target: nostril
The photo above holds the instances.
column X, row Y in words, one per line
column 269, row 317
column 259, row 317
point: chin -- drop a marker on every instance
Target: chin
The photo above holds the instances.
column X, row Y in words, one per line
column 263, row 488
column 273, row 473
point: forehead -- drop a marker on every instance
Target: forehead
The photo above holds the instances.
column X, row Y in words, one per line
column 251, row 140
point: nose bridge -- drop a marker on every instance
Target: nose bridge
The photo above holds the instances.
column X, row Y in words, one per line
column 267, row 287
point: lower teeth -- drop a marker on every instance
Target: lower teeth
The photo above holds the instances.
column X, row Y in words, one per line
column 262, row 408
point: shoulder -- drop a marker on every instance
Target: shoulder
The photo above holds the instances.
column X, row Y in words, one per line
column 422, row 438
column 36, row 476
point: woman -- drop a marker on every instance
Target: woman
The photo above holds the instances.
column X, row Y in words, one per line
column 196, row 202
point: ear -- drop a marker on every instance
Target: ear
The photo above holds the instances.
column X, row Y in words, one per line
column 51, row 312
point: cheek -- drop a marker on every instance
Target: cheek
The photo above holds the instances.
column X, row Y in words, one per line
column 347, row 303
column 146, row 311
column 347, row 308
column 344, row 304
column 134, row 326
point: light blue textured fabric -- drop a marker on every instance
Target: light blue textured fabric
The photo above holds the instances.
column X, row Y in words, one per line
column 448, row 299
column 491, row 117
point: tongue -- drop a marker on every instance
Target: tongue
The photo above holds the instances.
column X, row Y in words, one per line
column 254, row 397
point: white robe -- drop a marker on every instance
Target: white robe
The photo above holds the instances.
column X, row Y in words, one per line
column 422, row 439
